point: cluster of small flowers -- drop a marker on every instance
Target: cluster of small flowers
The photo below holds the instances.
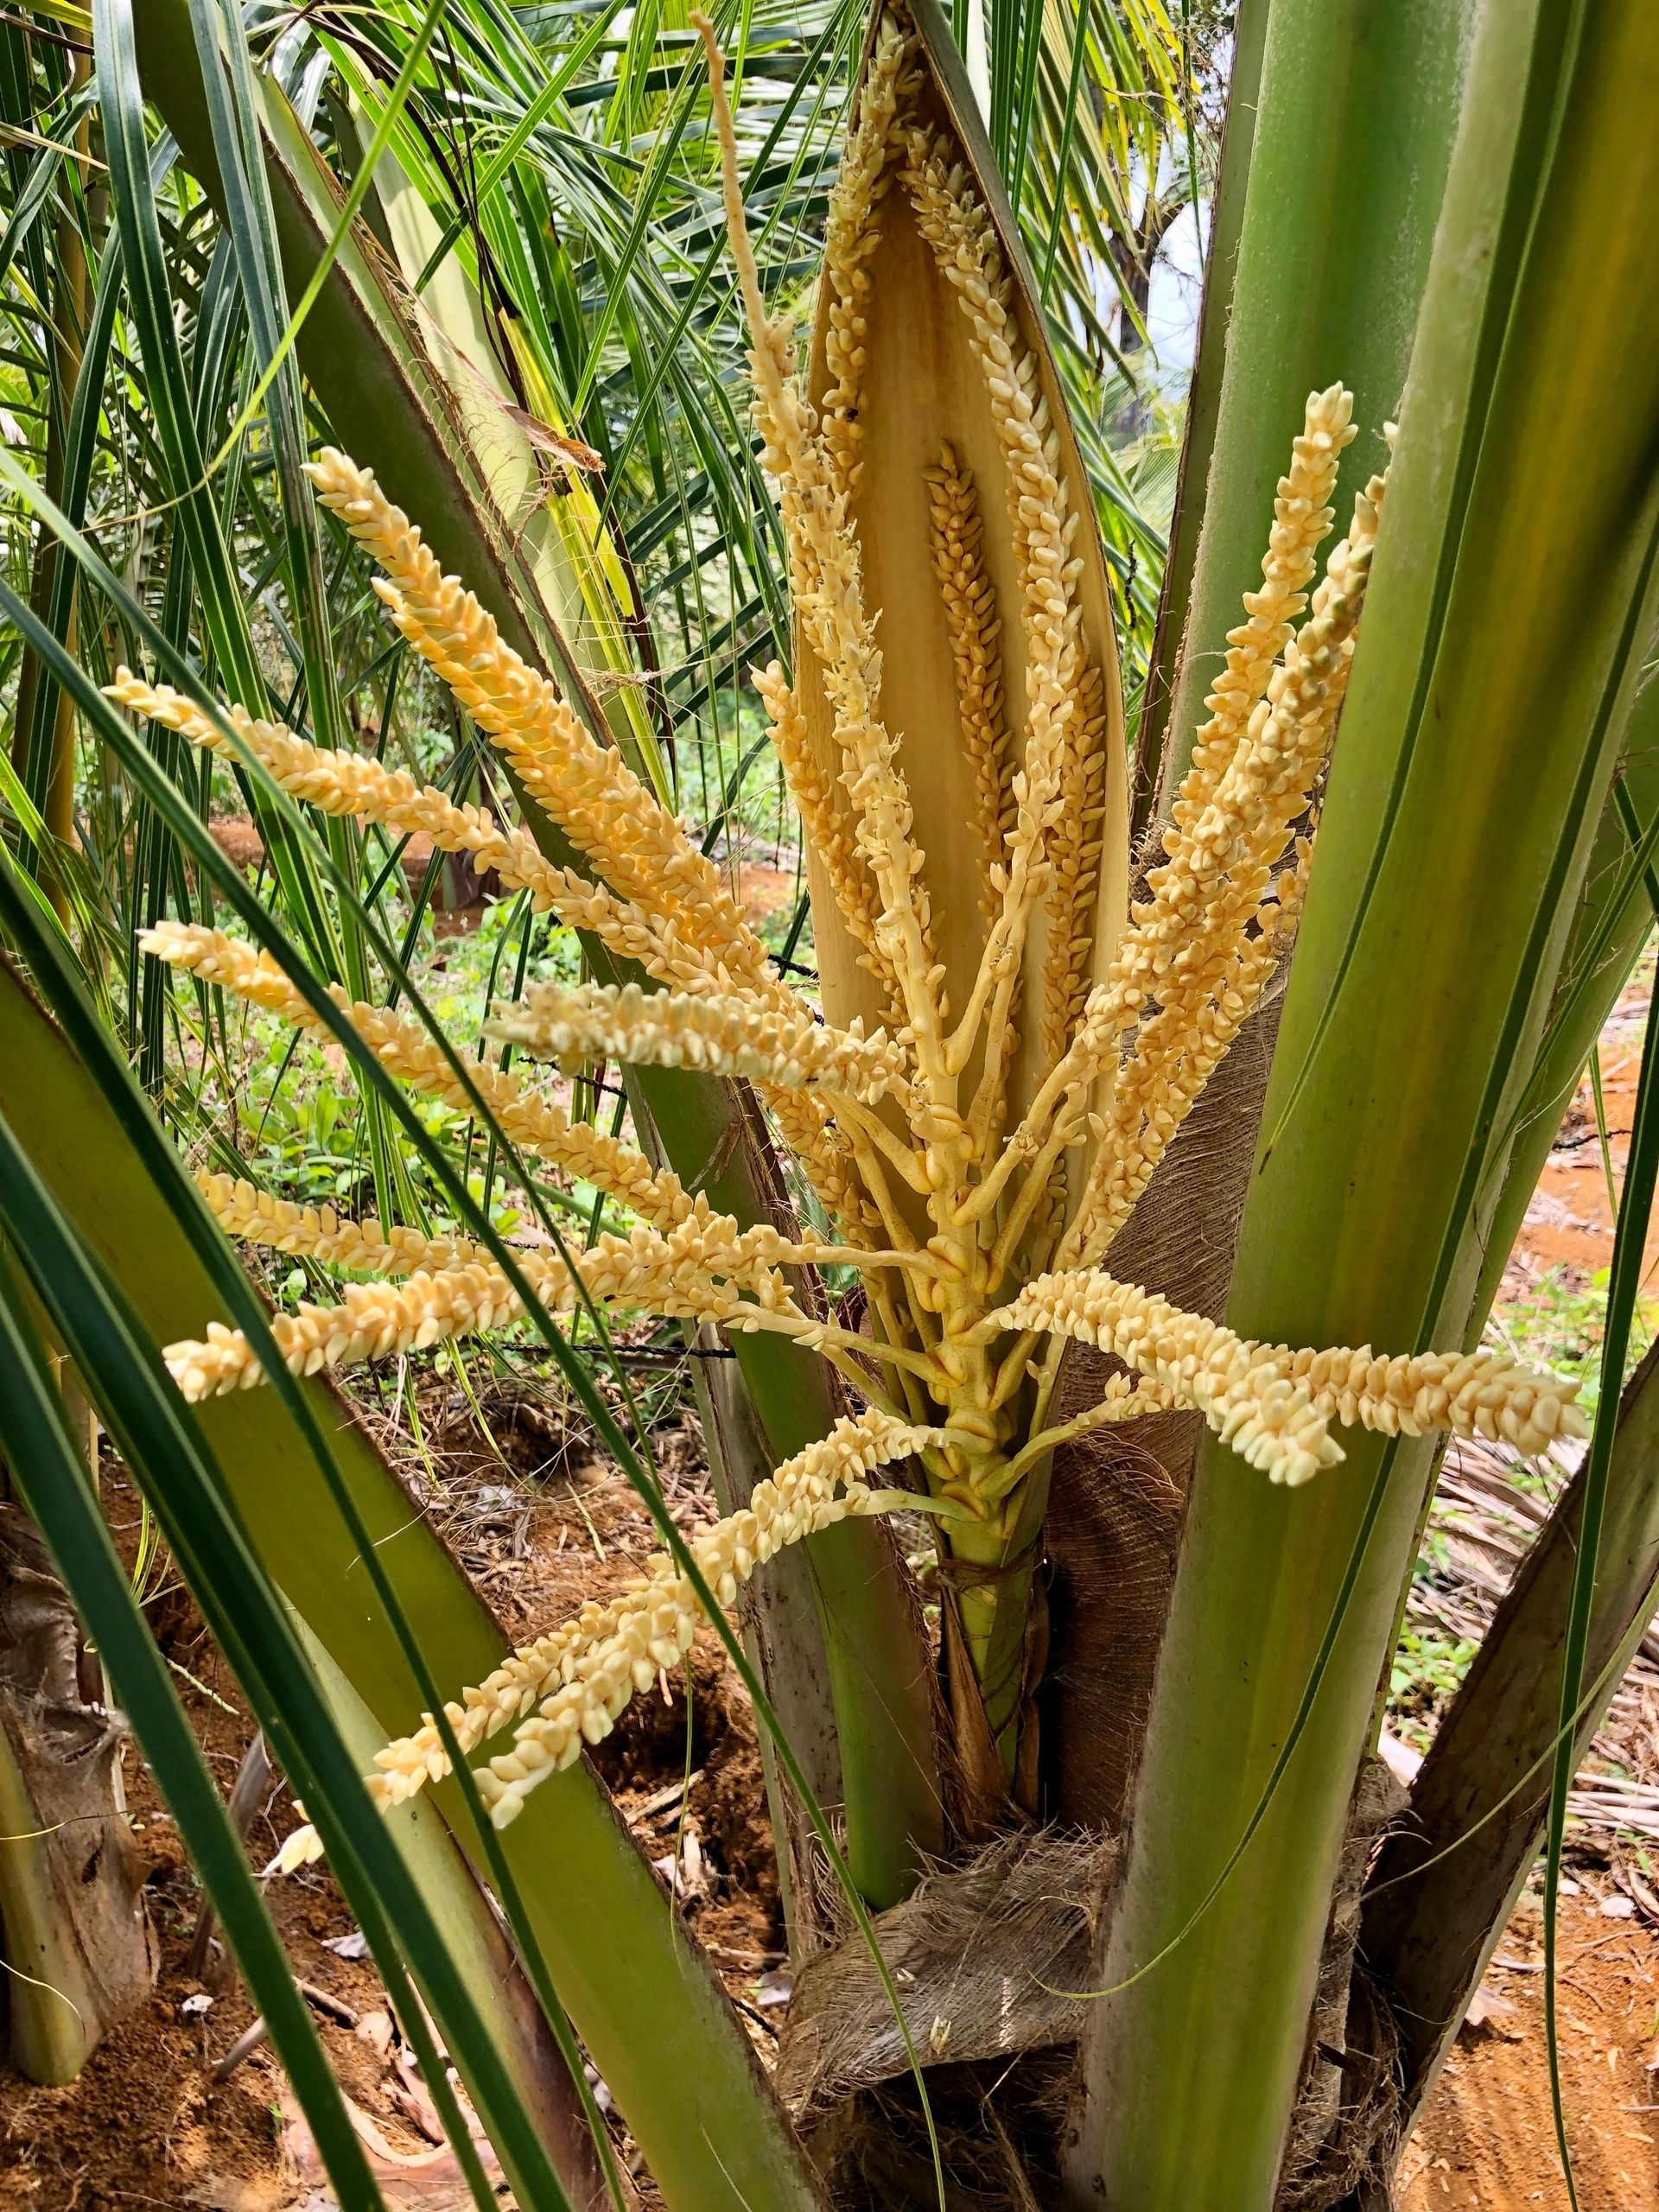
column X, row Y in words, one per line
column 1157, row 938
column 1301, row 518
column 636, row 845
column 822, row 817
column 374, row 1320
column 583, row 1674
column 1273, row 1405
column 1269, row 1420
column 1244, row 822
column 1074, row 849
column 650, row 1636
column 255, row 1216
column 660, row 944
column 1484, row 1394
column 661, row 941
column 830, row 602
column 402, row 1048
column 668, row 1274
column 351, row 784
column 972, row 623
column 723, row 1036
column 1198, row 953
column 850, row 239
column 348, row 784
column 827, row 586
column 663, row 902
column 824, row 1152
column 528, row 1119
column 672, row 1271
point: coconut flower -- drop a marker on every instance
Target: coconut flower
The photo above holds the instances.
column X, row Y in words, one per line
column 1005, row 1046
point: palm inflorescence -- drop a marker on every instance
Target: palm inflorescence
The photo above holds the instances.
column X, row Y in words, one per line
column 976, row 1155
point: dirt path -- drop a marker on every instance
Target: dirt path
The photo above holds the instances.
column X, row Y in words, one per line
column 1487, row 2142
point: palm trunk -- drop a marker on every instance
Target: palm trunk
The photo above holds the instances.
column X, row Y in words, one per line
column 78, row 1955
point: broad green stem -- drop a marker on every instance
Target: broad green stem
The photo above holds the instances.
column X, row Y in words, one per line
column 1446, row 883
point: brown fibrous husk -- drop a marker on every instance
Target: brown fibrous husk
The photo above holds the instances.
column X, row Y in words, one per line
column 986, row 1959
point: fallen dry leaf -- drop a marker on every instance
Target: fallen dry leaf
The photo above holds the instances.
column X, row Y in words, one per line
column 429, row 2180
column 1490, row 2013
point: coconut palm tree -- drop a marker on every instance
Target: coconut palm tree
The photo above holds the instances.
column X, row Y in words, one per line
column 1140, row 1097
